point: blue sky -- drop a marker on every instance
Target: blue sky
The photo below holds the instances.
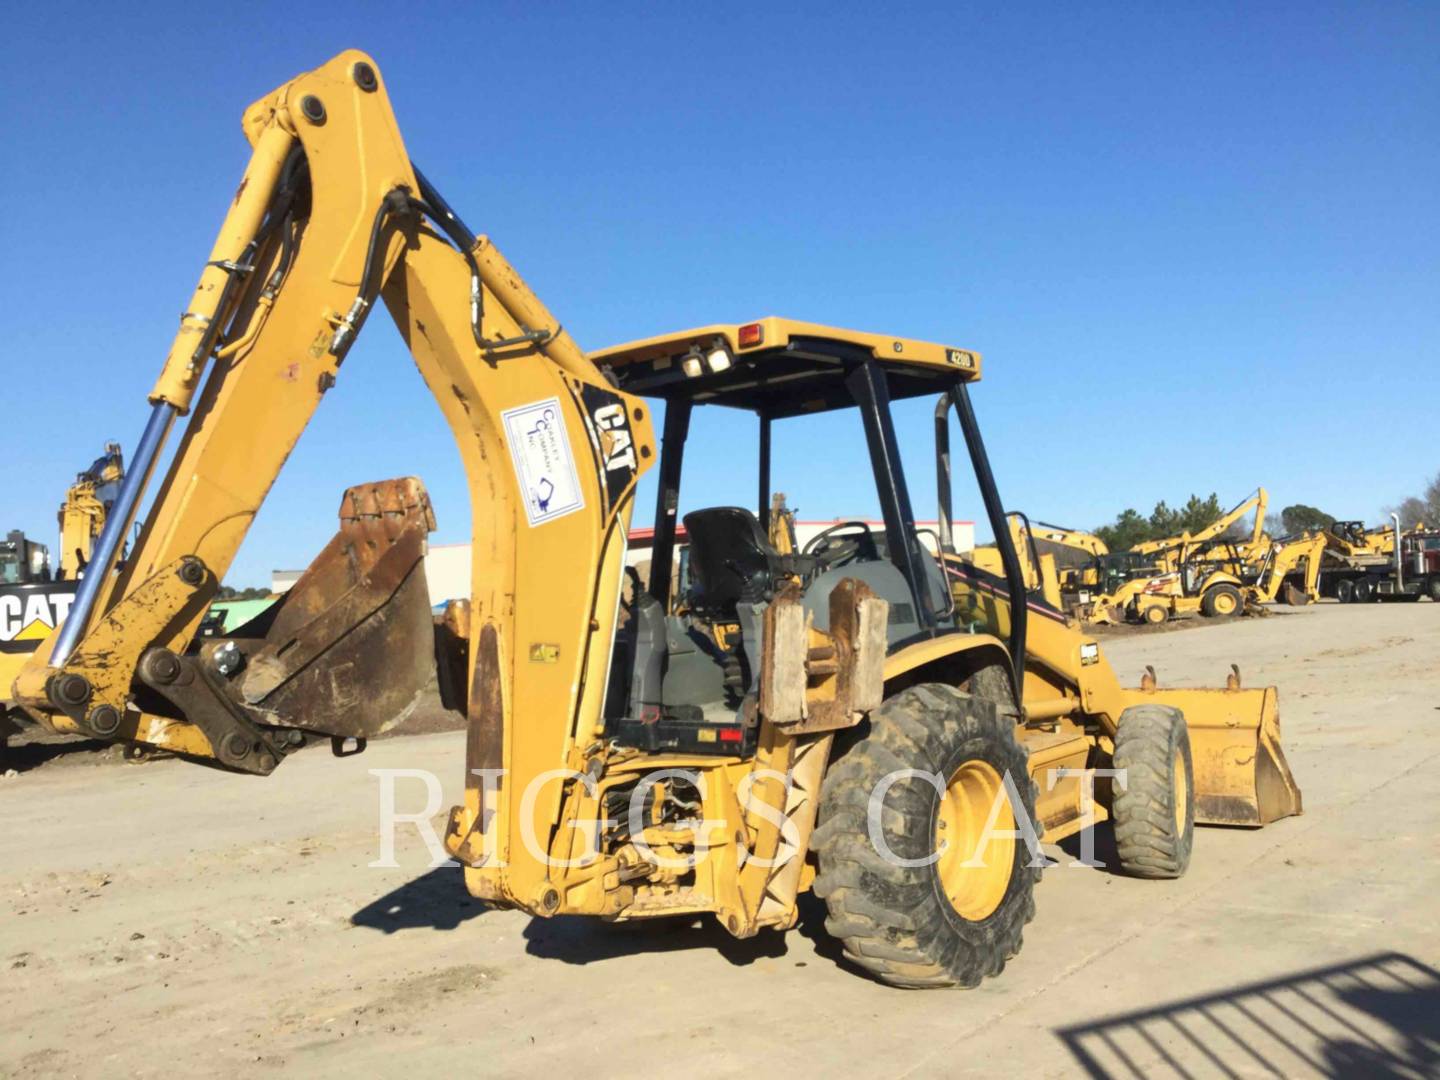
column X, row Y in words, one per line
column 1197, row 244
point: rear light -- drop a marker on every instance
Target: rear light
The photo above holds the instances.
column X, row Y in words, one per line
column 752, row 334
column 731, row 734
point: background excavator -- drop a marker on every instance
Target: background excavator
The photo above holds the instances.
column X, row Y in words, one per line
column 717, row 752
column 86, row 506
column 33, row 597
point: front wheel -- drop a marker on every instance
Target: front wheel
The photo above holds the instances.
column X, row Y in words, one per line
column 1154, row 803
column 1432, row 589
column 1220, row 600
column 933, row 897
column 1345, row 591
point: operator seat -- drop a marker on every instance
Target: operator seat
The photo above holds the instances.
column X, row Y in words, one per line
column 731, row 560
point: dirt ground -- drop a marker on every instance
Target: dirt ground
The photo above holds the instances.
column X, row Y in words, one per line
column 164, row 919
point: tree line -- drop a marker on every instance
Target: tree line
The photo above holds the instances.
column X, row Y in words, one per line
column 227, row 592
column 1422, row 509
column 1131, row 527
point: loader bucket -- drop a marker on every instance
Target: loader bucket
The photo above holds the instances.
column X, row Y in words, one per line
column 1241, row 775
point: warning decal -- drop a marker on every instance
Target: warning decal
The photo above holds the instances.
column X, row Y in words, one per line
column 544, row 463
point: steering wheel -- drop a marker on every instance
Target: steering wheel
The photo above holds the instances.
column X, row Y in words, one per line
column 831, row 549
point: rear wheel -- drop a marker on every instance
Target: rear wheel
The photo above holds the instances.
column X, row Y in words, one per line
column 1364, row 590
column 1345, row 591
column 956, row 913
column 1220, row 600
column 1154, row 811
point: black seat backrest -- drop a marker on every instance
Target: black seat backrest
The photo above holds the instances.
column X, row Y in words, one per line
column 730, row 560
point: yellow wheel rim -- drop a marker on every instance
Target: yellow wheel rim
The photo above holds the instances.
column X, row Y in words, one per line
column 1225, row 604
column 1181, row 789
column 974, row 876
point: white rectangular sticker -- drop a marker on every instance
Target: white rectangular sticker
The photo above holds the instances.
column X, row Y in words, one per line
column 544, row 463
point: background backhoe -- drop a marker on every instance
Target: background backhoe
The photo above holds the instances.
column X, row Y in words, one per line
column 34, row 598
column 1202, row 573
column 857, row 717
column 86, row 506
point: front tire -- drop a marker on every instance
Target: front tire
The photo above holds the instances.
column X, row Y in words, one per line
column 1221, row 600
column 941, row 923
column 1154, row 812
column 1155, row 614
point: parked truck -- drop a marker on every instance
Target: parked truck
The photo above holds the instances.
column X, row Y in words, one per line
column 1411, row 571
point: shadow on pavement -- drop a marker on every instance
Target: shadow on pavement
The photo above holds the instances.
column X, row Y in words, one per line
column 1374, row 1017
column 579, row 939
column 24, row 752
column 1104, row 851
column 436, row 900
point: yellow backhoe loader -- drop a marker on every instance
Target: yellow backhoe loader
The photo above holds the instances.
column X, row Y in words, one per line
column 1039, row 572
column 83, row 513
column 1213, row 584
column 856, row 717
column 1085, row 567
column 1290, row 571
column 1201, row 573
column 33, row 598
column 1195, row 587
column 1080, row 557
column 1170, row 553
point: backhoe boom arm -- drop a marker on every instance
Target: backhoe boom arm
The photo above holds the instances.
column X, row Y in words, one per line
column 331, row 218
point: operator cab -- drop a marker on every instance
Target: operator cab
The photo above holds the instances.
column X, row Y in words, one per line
column 682, row 675
column 22, row 561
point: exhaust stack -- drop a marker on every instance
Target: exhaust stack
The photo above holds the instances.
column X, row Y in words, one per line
column 1399, row 557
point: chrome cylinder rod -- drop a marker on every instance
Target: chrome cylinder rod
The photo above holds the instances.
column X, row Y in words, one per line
column 117, row 524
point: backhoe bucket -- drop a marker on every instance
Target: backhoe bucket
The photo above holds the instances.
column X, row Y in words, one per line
column 1241, row 775
column 352, row 647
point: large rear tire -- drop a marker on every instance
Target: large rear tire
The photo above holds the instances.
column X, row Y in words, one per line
column 1364, row 591
column 1345, row 591
column 941, row 923
column 1154, row 811
column 1221, row 600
